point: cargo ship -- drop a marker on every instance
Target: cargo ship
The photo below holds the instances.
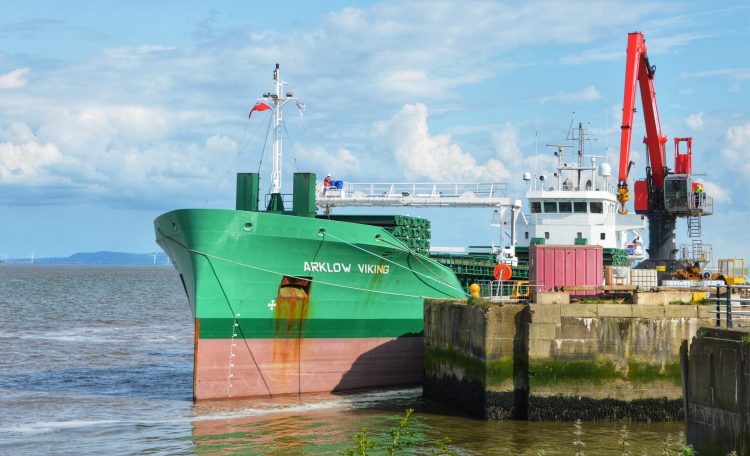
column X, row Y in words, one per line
column 286, row 301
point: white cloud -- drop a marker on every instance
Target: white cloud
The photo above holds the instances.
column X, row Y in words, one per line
column 384, row 52
column 14, row 79
column 27, row 163
column 137, row 52
column 341, row 164
column 737, row 74
column 657, row 44
column 695, row 121
column 592, row 55
column 17, row 132
column 506, row 143
column 666, row 43
column 95, row 165
column 508, row 148
column 420, row 155
column 582, row 96
column 737, row 148
column 131, row 119
column 418, row 83
column 126, row 125
column 717, row 192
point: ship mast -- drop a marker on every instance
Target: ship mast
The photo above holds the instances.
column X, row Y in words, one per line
column 277, row 100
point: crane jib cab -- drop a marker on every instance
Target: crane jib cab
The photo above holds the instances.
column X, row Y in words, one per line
column 664, row 194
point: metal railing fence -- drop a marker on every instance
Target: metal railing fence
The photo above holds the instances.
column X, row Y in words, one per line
column 733, row 303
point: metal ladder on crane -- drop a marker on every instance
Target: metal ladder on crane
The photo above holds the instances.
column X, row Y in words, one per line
column 698, row 250
column 694, row 233
column 694, row 226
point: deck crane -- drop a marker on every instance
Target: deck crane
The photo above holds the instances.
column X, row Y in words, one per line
column 664, row 194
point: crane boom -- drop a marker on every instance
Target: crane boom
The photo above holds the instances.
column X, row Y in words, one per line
column 664, row 194
column 639, row 71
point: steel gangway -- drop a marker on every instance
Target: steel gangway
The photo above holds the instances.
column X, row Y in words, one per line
column 415, row 194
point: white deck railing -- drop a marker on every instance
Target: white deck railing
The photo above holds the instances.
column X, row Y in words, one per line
column 415, row 194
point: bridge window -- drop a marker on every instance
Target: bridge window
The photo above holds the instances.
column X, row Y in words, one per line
column 536, row 207
column 550, row 207
column 546, row 235
column 603, row 236
column 579, row 235
column 579, row 207
column 527, row 235
column 597, row 207
column 565, row 206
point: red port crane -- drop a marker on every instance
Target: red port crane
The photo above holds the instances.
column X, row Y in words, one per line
column 664, row 194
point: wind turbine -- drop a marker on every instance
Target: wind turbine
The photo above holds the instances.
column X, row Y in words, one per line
column 154, row 255
column 32, row 257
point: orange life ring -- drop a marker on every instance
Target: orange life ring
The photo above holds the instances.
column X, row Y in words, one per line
column 503, row 272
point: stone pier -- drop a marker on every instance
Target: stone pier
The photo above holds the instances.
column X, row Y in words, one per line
column 558, row 361
column 717, row 391
column 475, row 357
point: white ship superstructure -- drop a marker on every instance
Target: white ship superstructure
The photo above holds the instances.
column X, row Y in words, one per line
column 578, row 206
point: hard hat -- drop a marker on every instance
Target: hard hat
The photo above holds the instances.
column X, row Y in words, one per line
column 328, row 175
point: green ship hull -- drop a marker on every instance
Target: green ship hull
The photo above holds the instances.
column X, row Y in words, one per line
column 289, row 304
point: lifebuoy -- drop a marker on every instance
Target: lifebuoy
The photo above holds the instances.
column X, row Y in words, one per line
column 503, row 272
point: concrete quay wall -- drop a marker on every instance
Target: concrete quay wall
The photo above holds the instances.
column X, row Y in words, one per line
column 557, row 360
column 717, row 391
column 608, row 361
column 474, row 357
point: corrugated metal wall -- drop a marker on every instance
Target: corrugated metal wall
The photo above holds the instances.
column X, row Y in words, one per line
column 552, row 266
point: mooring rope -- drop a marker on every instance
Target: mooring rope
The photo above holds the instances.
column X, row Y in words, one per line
column 418, row 256
column 399, row 264
column 234, row 316
column 317, row 281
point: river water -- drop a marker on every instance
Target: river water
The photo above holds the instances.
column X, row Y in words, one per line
column 98, row 360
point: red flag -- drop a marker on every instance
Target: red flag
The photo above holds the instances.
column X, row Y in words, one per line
column 260, row 106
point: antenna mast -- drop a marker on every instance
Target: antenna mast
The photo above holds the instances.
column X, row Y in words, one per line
column 277, row 100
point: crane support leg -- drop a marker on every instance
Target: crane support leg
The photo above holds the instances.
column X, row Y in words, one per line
column 661, row 235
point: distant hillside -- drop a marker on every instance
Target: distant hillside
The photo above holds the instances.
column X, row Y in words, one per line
column 121, row 258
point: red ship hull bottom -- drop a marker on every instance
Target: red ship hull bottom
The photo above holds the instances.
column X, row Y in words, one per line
column 244, row 368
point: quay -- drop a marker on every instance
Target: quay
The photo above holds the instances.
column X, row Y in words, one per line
column 557, row 360
column 666, row 355
column 716, row 379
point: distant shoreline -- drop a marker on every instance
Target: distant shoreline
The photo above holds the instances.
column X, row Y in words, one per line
column 103, row 258
column 9, row 264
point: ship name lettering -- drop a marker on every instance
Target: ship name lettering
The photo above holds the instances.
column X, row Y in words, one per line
column 319, row 266
column 374, row 268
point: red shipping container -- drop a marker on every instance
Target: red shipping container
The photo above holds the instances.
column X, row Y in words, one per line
column 553, row 266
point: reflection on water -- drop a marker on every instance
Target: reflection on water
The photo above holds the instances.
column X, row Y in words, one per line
column 311, row 424
column 325, row 424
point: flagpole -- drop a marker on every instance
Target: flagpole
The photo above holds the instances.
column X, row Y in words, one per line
column 277, row 100
column 277, row 103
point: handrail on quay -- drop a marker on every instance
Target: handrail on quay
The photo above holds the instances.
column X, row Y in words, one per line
column 511, row 290
column 735, row 301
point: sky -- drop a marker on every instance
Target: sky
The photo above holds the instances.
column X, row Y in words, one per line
column 112, row 113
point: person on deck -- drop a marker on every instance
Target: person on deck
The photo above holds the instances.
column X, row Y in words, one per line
column 699, row 196
column 326, row 183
